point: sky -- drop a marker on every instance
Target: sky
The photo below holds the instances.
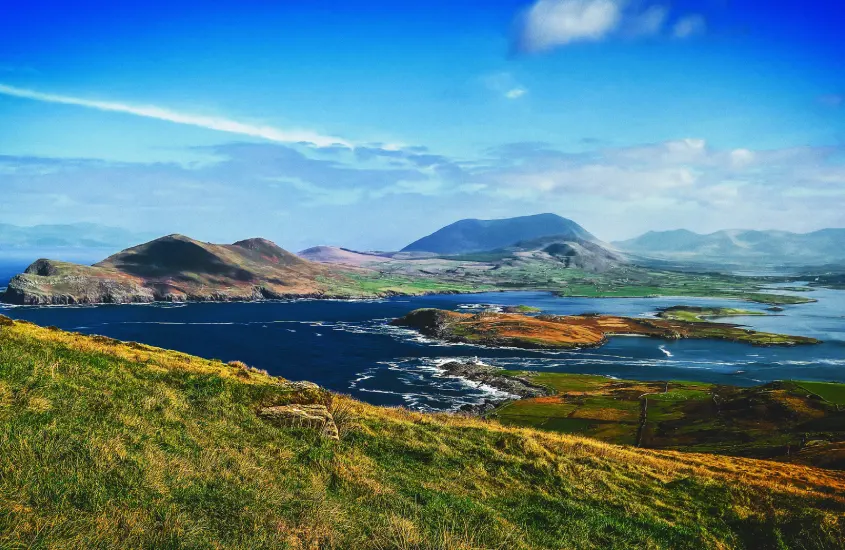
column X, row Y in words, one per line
column 371, row 124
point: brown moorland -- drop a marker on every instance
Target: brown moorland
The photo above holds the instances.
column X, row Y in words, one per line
column 573, row 331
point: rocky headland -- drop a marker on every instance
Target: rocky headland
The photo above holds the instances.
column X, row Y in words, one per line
column 574, row 331
column 176, row 268
column 495, row 377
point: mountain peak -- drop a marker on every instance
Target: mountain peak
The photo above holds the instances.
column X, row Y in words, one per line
column 268, row 251
column 256, row 243
column 173, row 267
column 475, row 235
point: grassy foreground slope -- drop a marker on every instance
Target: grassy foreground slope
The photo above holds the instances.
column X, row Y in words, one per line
column 112, row 445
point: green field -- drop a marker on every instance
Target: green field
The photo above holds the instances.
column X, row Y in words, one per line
column 704, row 314
column 497, row 272
column 771, row 421
column 522, row 309
column 570, row 382
column 833, row 393
column 108, row 445
column 379, row 284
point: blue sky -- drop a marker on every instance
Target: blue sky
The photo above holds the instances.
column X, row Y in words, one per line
column 369, row 124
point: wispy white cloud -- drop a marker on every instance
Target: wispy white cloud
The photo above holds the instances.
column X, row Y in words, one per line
column 550, row 24
column 504, row 84
column 676, row 182
column 679, row 172
column 689, row 26
column 647, row 23
column 220, row 124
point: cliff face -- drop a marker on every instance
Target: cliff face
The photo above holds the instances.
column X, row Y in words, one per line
column 173, row 268
column 48, row 282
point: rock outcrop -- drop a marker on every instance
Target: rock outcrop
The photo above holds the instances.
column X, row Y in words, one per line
column 494, row 377
column 312, row 417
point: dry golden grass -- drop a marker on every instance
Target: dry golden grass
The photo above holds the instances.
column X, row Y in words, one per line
column 549, row 399
column 799, row 406
column 605, row 413
column 665, row 465
column 111, row 445
column 576, row 330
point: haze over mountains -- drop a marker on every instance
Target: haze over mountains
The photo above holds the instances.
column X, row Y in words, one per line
column 76, row 235
column 467, row 236
column 747, row 247
column 178, row 268
column 541, row 238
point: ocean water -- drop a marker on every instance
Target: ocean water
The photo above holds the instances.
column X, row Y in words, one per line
column 10, row 268
column 350, row 347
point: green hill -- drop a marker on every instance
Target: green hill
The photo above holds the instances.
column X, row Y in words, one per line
column 178, row 268
column 466, row 236
column 113, row 445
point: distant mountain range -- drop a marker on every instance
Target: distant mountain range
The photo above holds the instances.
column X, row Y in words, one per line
column 540, row 238
column 746, row 247
column 77, row 235
column 467, row 236
column 177, row 268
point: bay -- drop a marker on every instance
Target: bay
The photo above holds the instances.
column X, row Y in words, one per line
column 350, row 347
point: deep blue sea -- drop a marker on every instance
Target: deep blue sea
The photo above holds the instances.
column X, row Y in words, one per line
column 349, row 347
column 10, row 268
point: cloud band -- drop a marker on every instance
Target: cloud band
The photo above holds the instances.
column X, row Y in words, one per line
column 210, row 122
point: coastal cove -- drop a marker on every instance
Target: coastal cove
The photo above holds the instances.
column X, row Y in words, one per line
column 350, row 347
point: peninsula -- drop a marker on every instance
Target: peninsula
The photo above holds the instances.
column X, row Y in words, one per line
column 574, row 331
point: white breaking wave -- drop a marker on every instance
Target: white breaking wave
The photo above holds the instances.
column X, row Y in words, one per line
column 435, row 392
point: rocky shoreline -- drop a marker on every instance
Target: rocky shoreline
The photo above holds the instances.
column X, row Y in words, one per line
column 493, row 377
column 34, row 289
column 16, row 298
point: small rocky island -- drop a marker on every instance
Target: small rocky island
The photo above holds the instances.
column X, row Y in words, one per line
column 578, row 331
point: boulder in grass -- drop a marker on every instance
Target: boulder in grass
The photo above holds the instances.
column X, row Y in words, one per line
column 314, row 417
